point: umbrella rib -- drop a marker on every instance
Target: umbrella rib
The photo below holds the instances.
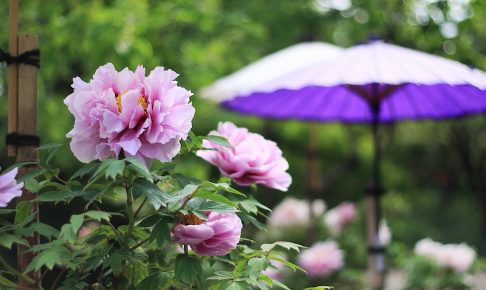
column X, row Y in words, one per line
column 412, row 103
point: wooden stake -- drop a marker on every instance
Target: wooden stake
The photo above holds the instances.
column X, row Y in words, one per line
column 27, row 125
column 12, row 73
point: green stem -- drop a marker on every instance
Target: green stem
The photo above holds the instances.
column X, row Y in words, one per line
column 186, row 249
column 15, row 271
column 130, row 213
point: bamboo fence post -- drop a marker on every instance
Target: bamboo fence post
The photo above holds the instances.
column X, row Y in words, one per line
column 27, row 125
column 12, row 73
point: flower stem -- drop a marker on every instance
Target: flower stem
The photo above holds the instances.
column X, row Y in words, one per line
column 15, row 271
column 186, row 249
column 130, row 213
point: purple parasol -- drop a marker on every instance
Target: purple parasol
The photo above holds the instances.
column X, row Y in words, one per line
column 371, row 83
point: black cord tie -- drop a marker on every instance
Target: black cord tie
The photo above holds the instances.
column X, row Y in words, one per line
column 376, row 249
column 23, row 140
column 31, row 57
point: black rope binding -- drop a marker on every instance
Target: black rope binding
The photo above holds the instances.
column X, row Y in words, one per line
column 31, row 57
column 376, row 249
column 22, row 140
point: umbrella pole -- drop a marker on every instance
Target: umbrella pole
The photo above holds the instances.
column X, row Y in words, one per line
column 376, row 259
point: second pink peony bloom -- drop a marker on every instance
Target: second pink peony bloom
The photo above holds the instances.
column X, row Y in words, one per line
column 252, row 160
column 214, row 237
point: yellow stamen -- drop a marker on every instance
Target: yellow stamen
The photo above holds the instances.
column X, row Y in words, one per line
column 141, row 101
column 190, row 219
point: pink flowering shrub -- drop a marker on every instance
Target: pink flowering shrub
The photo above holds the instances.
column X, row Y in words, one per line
column 251, row 160
column 161, row 229
column 214, row 237
column 130, row 113
column 322, row 259
column 9, row 188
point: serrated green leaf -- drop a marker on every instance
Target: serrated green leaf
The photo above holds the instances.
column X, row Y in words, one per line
column 58, row 196
column 156, row 281
column 280, row 284
column 98, row 215
column 7, row 283
column 161, row 233
column 23, row 212
column 188, row 269
column 215, row 197
column 198, row 204
column 235, row 285
column 288, row 264
column 285, row 245
column 256, row 266
column 115, row 169
column 85, row 169
column 76, row 221
column 7, row 240
column 44, row 230
column 31, row 174
column 138, row 167
column 56, row 255
column 156, row 197
column 67, row 233
column 218, row 140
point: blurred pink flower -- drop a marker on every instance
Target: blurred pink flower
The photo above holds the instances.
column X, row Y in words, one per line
column 128, row 112
column 340, row 216
column 252, row 160
column 214, row 237
column 294, row 212
column 274, row 271
column 458, row 257
column 9, row 188
column 322, row 259
column 87, row 229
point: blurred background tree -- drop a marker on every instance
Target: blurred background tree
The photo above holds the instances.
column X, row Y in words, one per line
column 434, row 170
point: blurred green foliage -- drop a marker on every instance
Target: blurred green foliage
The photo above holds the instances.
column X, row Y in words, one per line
column 432, row 169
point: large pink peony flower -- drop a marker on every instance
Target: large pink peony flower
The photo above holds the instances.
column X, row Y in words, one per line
column 128, row 112
column 252, row 160
column 9, row 188
column 322, row 259
column 214, row 237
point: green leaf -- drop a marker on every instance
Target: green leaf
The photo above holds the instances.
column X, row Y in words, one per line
column 31, row 185
column 161, row 233
column 319, row 288
column 56, row 255
column 98, row 215
column 288, row 264
column 251, row 205
column 58, row 196
column 199, row 204
column 85, row 169
column 76, row 222
column 115, row 169
column 156, row 281
column 188, row 269
column 138, row 167
column 218, row 140
column 44, row 230
column 235, row 285
column 155, row 195
column 24, row 212
column 256, row 266
column 32, row 174
column 149, row 221
column 215, row 197
column 7, row 240
column 67, row 233
column 281, row 285
column 49, row 146
column 7, row 283
column 286, row 245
